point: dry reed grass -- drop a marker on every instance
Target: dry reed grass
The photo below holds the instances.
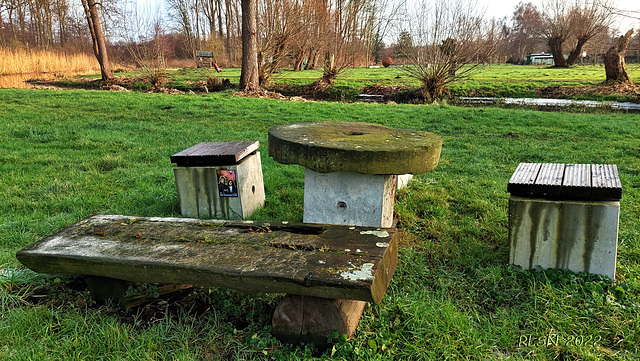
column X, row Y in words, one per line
column 35, row 62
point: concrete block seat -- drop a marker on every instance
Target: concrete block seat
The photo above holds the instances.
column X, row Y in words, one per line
column 565, row 216
column 219, row 180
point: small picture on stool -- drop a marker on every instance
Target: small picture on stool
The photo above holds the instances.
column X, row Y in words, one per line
column 227, row 184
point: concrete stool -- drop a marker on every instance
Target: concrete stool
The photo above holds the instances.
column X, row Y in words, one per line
column 565, row 216
column 350, row 179
column 351, row 168
column 219, row 180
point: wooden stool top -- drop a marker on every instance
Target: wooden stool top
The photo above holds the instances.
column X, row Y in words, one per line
column 214, row 153
column 595, row 182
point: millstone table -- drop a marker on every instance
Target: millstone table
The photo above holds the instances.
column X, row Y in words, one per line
column 350, row 179
column 351, row 168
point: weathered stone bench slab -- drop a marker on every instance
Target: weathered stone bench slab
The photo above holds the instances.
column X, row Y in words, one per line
column 312, row 260
column 565, row 216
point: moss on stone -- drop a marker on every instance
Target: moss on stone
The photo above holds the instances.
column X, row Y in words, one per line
column 366, row 148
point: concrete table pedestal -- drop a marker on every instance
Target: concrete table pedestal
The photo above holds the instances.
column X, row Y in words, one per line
column 349, row 198
column 351, row 175
column 579, row 236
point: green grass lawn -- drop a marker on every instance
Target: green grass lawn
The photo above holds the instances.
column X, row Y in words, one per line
column 65, row 155
column 499, row 80
column 495, row 80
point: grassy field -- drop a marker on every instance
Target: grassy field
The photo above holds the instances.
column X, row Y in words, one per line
column 496, row 80
column 501, row 80
column 65, row 155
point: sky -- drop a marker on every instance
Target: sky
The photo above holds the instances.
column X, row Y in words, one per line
column 494, row 8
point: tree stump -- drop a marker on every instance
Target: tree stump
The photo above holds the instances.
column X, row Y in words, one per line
column 614, row 64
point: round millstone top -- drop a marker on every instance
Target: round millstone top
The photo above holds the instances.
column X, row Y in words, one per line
column 327, row 147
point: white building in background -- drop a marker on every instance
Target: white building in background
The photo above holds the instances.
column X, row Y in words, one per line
column 541, row 59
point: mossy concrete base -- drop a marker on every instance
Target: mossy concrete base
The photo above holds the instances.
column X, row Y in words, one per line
column 199, row 196
column 327, row 147
column 580, row 236
column 349, row 198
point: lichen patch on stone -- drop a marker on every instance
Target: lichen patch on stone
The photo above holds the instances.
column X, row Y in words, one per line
column 364, row 273
column 377, row 233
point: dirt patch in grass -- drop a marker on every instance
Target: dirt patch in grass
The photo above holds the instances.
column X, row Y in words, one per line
column 265, row 94
column 378, row 89
column 630, row 91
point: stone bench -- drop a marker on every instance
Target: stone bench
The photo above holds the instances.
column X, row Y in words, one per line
column 340, row 268
column 565, row 216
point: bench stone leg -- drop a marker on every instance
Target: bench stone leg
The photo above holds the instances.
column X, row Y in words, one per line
column 580, row 236
column 312, row 319
column 105, row 290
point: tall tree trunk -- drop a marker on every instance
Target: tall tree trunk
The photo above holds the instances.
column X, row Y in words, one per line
column 249, row 79
column 219, row 14
column 198, row 38
column 99, row 45
column 555, row 46
column 614, row 65
column 299, row 60
column 228, row 23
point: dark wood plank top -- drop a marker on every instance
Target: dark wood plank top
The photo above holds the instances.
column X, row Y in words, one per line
column 524, row 178
column 605, row 180
column 577, row 182
column 327, row 261
column 549, row 180
column 597, row 182
column 214, row 153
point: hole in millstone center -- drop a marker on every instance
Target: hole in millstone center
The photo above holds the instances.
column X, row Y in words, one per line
column 253, row 189
column 342, row 205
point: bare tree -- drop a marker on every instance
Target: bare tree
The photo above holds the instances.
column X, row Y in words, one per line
column 578, row 22
column 614, row 65
column 523, row 39
column 249, row 79
column 278, row 27
column 99, row 43
column 182, row 11
column 447, row 44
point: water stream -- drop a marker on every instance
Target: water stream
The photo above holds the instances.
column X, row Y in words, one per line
column 539, row 102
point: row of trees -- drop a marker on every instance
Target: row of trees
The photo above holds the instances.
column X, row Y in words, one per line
column 43, row 23
column 301, row 33
column 437, row 37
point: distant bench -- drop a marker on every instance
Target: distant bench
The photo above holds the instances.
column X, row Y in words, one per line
column 326, row 261
column 565, row 216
